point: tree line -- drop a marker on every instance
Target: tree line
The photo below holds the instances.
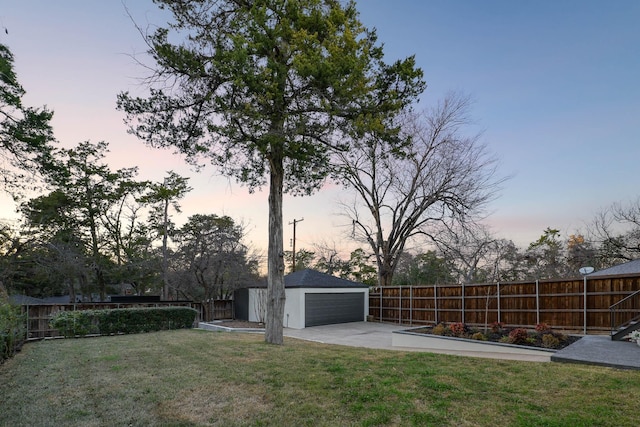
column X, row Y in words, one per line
column 475, row 256
column 96, row 230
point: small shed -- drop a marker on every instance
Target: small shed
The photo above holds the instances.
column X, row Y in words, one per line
column 312, row 299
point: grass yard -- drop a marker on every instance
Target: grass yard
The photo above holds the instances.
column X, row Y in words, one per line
column 198, row 378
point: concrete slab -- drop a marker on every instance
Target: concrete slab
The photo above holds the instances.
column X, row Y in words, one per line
column 600, row 350
column 379, row 336
column 356, row 334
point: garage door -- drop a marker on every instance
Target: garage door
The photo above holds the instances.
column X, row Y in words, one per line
column 325, row 309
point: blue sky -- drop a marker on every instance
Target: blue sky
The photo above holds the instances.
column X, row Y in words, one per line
column 555, row 85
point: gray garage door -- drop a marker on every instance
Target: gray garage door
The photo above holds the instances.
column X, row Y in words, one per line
column 326, row 309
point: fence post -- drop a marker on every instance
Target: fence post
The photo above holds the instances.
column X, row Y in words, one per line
column 410, row 305
column 498, row 295
column 435, row 301
column 380, row 302
column 27, row 321
column 400, row 306
column 537, row 302
column 584, row 320
column 463, row 303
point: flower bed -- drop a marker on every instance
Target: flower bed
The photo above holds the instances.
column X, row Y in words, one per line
column 497, row 339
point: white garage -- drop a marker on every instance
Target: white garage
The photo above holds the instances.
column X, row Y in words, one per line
column 313, row 299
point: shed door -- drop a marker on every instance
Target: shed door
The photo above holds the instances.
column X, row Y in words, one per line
column 328, row 308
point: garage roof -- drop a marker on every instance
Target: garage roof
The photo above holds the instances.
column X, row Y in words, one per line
column 314, row 279
column 309, row 278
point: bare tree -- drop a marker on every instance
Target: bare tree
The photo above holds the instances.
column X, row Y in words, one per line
column 260, row 304
column 211, row 261
column 439, row 176
column 468, row 248
column 616, row 230
column 329, row 260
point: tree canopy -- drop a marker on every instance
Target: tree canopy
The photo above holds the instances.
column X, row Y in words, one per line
column 267, row 90
column 25, row 132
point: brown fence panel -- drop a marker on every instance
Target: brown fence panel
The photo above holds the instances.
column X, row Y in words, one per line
column 217, row 309
column 424, row 307
column 558, row 303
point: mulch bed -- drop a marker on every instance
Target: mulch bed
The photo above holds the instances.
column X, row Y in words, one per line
column 241, row 324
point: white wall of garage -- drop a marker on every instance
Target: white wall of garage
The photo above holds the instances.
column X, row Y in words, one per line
column 294, row 308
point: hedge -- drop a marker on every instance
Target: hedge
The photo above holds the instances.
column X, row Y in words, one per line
column 13, row 331
column 122, row 320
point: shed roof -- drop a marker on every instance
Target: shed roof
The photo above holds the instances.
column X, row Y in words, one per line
column 631, row 267
column 309, row 278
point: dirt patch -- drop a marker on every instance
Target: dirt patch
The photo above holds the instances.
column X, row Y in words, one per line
column 241, row 324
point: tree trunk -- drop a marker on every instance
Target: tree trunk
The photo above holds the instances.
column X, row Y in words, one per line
column 385, row 267
column 165, row 267
column 275, row 282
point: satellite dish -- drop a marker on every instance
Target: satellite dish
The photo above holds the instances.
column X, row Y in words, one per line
column 586, row 270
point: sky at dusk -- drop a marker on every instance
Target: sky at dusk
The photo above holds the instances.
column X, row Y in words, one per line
column 555, row 85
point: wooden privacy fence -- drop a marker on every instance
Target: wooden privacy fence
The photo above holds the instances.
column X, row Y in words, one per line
column 39, row 315
column 217, row 309
column 580, row 304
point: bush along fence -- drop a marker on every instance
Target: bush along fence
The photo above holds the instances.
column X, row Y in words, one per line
column 580, row 305
column 12, row 330
column 38, row 315
column 122, row 321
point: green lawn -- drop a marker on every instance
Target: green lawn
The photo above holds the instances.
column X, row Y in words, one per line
column 193, row 378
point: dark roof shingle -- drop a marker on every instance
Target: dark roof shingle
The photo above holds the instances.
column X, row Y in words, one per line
column 309, row 278
column 314, row 279
column 631, row 267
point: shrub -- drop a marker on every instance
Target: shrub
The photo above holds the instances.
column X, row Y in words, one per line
column 458, row 329
column 543, row 327
column 74, row 323
column 550, row 341
column 122, row 321
column 440, row 329
column 12, row 329
column 561, row 337
column 497, row 327
column 518, row 336
column 479, row 336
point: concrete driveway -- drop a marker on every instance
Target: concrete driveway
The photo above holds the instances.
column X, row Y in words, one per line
column 378, row 336
column 357, row 334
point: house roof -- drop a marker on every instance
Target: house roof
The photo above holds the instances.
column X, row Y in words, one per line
column 24, row 300
column 309, row 278
column 631, row 267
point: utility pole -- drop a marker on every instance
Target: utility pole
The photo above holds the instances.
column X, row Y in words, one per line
column 295, row 221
